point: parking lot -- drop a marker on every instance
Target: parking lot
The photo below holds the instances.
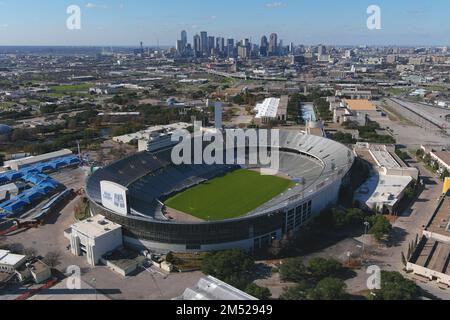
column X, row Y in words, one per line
column 146, row 284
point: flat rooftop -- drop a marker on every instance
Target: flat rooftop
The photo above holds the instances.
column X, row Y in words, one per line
column 95, row 226
column 10, row 259
column 444, row 156
column 440, row 224
column 123, row 258
column 268, row 109
column 3, row 253
column 435, row 256
column 360, row 105
column 382, row 189
column 146, row 133
column 383, row 157
column 39, row 158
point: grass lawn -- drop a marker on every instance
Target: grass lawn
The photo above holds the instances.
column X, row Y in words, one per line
column 71, row 88
column 231, row 196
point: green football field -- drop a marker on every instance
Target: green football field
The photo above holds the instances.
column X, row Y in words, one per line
column 231, row 196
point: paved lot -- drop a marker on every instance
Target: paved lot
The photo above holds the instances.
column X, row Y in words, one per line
column 409, row 129
column 433, row 114
column 147, row 284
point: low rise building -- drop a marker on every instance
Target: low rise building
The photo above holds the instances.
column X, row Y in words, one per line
column 363, row 107
column 94, row 238
column 390, row 178
column 123, row 261
column 354, row 93
column 10, row 262
column 442, row 158
column 153, row 138
column 8, row 191
column 37, row 270
column 24, row 162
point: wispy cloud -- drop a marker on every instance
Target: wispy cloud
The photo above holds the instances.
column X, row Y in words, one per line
column 276, row 5
column 91, row 5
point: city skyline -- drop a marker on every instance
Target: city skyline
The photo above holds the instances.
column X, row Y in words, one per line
column 118, row 23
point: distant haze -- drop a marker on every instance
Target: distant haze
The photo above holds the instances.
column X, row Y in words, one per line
column 118, row 22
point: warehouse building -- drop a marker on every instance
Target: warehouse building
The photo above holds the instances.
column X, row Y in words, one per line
column 431, row 258
column 272, row 109
column 442, row 158
column 21, row 163
column 210, row 288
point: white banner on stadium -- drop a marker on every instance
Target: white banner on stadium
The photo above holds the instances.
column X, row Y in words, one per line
column 114, row 197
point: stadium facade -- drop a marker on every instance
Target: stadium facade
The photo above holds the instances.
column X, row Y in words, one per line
column 143, row 181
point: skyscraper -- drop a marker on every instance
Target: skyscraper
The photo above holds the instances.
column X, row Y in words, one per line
column 184, row 38
column 321, row 50
column 197, row 45
column 204, row 42
column 180, row 47
column 211, row 45
column 243, row 51
column 263, row 49
column 220, row 45
column 273, row 44
column 291, row 48
column 230, row 48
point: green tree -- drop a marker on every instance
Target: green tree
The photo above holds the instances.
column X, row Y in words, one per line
column 344, row 138
column 170, row 257
column 420, row 153
column 293, row 270
column 258, row 292
column 323, row 109
column 231, row 266
column 395, row 287
column 329, row 289
column 299, row 292
column 321, row 268
column 445, row 174
column 380, row 226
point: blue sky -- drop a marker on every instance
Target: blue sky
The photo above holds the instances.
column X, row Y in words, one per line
column 126, row 22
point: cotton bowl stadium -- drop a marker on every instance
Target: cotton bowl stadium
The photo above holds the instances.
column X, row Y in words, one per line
column 194, row 208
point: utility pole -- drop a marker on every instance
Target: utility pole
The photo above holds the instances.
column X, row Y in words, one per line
column 79, row 149
column 366, row 230
column 95, row 287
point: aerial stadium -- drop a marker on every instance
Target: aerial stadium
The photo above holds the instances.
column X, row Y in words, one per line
column 196, row 208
